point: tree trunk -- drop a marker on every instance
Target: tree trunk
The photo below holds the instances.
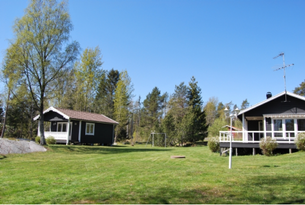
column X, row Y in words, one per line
column 41, row 127
column 5, row 116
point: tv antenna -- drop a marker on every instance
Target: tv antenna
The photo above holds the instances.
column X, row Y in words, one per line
column 283, row 67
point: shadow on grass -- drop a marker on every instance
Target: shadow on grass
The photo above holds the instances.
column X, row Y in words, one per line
column 274, row 190
column 157, row 196
column 2, row 156
column 102, row 149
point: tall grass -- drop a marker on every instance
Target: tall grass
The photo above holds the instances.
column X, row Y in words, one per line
column 139, row 174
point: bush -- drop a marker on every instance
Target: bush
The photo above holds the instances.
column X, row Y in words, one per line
column 50, row 140
column 37, row 140
column 267, row 145
column 213, row 143
column 300, row 141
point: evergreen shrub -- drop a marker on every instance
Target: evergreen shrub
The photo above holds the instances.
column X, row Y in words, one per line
column 213, row 143
column 50, row 140
column 37, row 140
column 267, row 145
column 300, row 141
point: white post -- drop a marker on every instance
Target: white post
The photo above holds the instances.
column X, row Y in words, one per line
column 243, row 119
column 79, row 131
column 230, row 157
column 68, row 128
column 264, row 128
column 272, row 129
column 38, row 131
column 295, row 127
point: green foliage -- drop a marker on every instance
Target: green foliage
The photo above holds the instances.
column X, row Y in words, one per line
column 210, row 110
column 50, row 140
column 104, row 99
column 88, row 74
column 198, row 129
column 20, row 114
column 37, row 56
column 300, row 90
column 122, row 99
column 37, row 140
column 153, row 107
column 300, row 141
column 217, row 126
column 168, row 126
column 267, row 145
column 244, row 104
column 213, row 144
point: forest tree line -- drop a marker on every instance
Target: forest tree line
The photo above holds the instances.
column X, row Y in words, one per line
column 42, row 68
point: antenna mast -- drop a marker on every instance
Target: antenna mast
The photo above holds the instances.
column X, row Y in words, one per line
column 284, row 66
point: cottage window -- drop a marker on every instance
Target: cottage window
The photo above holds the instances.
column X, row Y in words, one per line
column 90, row 128
column 289, row 127
column 278, row 126
column 61, row 127
column 301, row 124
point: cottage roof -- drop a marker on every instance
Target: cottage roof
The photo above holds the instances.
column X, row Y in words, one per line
column 270, row 99
column 79, row 115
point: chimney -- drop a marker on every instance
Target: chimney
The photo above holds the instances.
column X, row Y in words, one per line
column 269, row 95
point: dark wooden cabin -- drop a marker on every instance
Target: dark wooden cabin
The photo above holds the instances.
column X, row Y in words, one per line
column 78, row 127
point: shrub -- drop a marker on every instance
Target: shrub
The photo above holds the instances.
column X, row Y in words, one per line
column 213, row 143
column 37, row 140
column 50, row 140
column 300, row 141
column 267, row 145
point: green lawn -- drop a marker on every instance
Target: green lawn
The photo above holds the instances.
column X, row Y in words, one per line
column 125, row 174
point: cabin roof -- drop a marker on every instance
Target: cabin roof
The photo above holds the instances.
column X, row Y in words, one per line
column 79, row 115
column 270, row 99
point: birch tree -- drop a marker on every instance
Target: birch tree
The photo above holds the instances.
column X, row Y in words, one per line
column 122, row 99
column 87, row 73
column 41, row 51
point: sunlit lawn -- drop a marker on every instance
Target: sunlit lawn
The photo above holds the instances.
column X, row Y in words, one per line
column 125, row 174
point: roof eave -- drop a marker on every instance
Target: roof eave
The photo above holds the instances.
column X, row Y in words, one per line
column 54, row 110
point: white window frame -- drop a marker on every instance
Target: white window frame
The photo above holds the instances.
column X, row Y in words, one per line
column 62, row 123
column 89, row 124
column 284, row 130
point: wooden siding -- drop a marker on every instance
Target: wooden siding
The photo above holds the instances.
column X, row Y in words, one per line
column 278, row 106
column 54, row 117
column 102, row 134
column 75, row 130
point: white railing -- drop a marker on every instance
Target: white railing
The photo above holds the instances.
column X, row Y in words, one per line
column 256, row 136
column 56, row 135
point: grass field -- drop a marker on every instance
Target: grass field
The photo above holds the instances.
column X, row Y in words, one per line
column 125, row 174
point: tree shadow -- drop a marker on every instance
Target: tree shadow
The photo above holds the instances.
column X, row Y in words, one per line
column 2, row 156
column 274, row 189
column 103, row 149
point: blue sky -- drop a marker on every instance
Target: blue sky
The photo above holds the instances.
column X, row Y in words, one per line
column 228, row 45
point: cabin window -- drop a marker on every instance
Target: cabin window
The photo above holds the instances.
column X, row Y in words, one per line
column 289, row 127
column 278, row 126
column 301, row 124
column 90, row 128
column 61, row 127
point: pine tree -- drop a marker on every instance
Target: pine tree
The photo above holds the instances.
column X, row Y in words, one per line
column 153, row 107
column 199, row 128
